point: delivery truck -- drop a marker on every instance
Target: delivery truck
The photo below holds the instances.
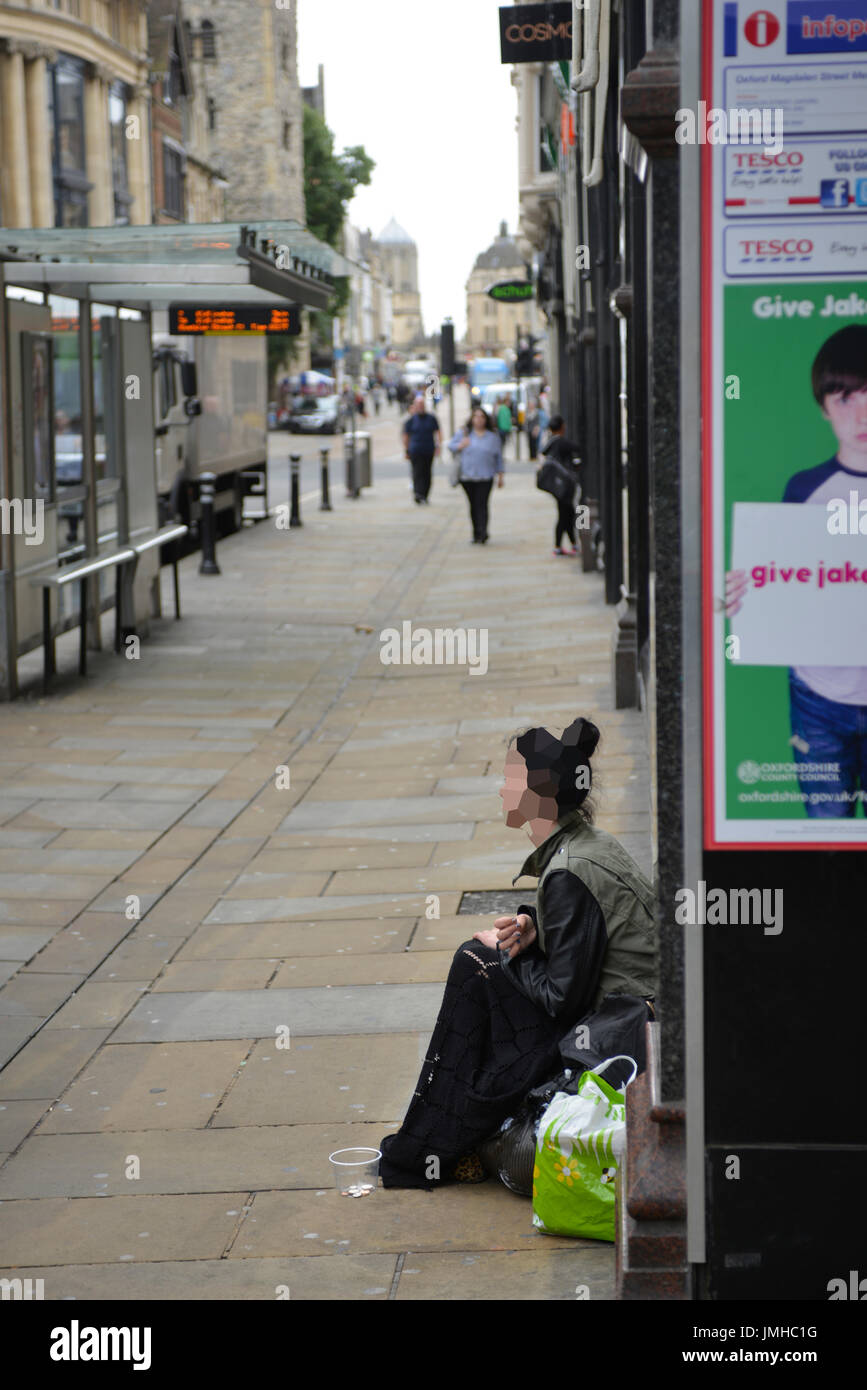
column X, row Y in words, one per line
column 210, row 416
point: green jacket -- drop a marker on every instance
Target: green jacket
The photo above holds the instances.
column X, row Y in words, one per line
column 626, row 900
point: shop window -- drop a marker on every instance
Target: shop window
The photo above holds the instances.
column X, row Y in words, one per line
column 117, row 113
column 66, row 122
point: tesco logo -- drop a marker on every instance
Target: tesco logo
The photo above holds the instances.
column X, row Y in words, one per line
column 790, row 159
column 775, row 247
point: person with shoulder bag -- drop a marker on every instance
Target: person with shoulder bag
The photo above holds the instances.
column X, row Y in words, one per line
column 559, row 475
column 478, row 457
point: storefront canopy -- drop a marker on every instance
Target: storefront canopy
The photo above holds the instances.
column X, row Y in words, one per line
column 154, row 266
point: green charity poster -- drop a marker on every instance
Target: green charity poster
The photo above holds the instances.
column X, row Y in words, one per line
column 793, row 495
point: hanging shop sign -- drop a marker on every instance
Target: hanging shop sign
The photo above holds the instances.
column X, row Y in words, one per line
column 536, row 33
column 512, row 291
column 783, row 125
column 197, row 319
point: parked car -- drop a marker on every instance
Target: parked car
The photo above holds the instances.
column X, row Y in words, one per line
column 317, row 415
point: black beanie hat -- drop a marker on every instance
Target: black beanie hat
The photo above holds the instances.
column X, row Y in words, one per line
column 553, row 763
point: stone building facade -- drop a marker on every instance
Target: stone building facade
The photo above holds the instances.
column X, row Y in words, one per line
column 492, row 326
column 243, row 56
column 74, row 114
column 186, row 186
column 399, row 258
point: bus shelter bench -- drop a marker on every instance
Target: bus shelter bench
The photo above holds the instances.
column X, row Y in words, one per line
column 57, row 580
column 163, row 536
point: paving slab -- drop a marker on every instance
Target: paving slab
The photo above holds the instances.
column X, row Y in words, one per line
column 34, row 993
column 162, row 1086
column 43, row 913
column 306, row 1012
column 458, row 1217
column 17, row 1118
column 79, row 948
column 326, row 1080
column 15, row 1030
column 98, row 1004
column 185, row 975
column 200, row 1160
column 398, row 834
column 103, row 815
column 278, row 940
column 124, row 1230
column 542, row 1275
column 379, row 906
column 418, row 810
column 365, row 1278
column 391, row 968
column 340, row 856
column 22, row 943
column 48, row 1063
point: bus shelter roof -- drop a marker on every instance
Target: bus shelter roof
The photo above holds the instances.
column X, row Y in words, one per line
column 151, row 267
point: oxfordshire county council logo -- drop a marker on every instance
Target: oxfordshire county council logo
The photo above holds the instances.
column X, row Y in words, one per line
column 749, row 772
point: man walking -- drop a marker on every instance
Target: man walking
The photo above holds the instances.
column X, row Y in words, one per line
column 421, row 442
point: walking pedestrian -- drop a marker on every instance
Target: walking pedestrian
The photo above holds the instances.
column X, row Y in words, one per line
column 537, row 422
column 519, row 987
column 421, row 443
column 480, row 455
column 561, row 450
column 504, row 420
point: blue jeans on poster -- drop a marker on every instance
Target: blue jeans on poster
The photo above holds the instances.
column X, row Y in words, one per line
column 833, row 733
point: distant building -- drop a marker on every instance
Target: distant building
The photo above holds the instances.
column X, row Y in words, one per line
column 367, row 322
column 492, row 325
column 399, row 255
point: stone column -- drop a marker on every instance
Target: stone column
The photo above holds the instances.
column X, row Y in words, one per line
column 138, row 155
column 16, row 187
column 39, row 137
column 100, row 200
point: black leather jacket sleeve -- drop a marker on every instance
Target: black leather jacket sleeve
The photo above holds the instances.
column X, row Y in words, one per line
column 563, row 978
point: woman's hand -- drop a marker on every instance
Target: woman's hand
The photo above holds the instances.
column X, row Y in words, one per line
column 515, row 934
column 465, row 442
column 501, row 478
column 488, row 938
column 737, row 584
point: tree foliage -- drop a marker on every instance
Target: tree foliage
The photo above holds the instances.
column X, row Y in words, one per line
column 330, row 179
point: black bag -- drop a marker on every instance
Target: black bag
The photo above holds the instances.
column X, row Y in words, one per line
column 615, row 1028
column 557, row 479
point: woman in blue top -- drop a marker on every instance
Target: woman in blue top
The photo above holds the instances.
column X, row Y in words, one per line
column 479, row 452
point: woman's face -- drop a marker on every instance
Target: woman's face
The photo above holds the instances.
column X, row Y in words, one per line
column 514, row 789
column 479, row 420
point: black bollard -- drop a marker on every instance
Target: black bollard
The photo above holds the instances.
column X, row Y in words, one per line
column 325, row 504
column 295, row 514
column 352, row 488
column 208, row 525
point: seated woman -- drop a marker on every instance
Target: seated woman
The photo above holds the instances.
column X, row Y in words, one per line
column 517, row 988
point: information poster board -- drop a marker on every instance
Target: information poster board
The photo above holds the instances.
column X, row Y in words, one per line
column 784, row 423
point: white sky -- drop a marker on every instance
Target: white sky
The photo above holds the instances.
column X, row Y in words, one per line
column 421, row 87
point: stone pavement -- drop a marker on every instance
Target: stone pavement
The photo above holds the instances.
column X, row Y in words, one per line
column 145, row 1153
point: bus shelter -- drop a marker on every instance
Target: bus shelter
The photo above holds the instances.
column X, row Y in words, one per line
column 78, row 374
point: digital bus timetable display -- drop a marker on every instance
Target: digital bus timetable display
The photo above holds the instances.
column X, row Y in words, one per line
column 234, row 318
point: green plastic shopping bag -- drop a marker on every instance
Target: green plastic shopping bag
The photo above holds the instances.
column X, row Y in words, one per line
column 578, row 1149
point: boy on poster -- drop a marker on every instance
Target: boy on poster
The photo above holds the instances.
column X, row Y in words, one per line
column 828, row 704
